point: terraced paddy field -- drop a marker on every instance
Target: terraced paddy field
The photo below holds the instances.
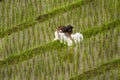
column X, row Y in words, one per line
column 27, row 49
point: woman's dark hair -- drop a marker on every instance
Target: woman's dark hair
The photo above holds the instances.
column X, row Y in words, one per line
column 69, row 29
column 63, row 28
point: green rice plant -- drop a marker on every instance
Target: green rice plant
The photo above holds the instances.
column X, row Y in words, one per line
column 89, row 18
column 9, row 72
column 103, row 52
column 20, row 68
column 27, row 74
column 76, row 61
column 46, row 32
column 119, row 71
column 116, row 39
column 40, row 66
column 43, row 31
column 118, row 12
column 7, row 15
column 47, row 6
column 2, row 49
column 90, row 53
column 23, row 39
column 17, row 16
column 38, row 71
column 9, row 44
column 33, row 36
column 49, row 65
column 97, row 50
column 52, row 62
column 13, row 13
column 14, row 46
column 105, row 46
column 1, row 74
column 112, row 74
column 83, row 59
column 103, row 77
column 38, row 34
column 3, row 10
column 49, row 31
column 6, row 48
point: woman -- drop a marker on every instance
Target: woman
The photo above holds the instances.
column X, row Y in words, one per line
column 61, row 30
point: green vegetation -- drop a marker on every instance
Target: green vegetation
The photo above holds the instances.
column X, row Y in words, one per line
column 104, row 28
column 82, row 21
column 13, row 59
column 56, row 45
column 43, row 17
column 100, row 70
column 27, row 49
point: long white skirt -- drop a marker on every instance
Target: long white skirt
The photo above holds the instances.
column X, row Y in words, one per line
column 77, row 37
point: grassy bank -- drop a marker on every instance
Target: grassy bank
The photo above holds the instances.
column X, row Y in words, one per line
column 104, row 28
column 99, row 70
column 25, row 55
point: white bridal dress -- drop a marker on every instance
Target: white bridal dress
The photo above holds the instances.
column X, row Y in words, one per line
column 77, row 37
